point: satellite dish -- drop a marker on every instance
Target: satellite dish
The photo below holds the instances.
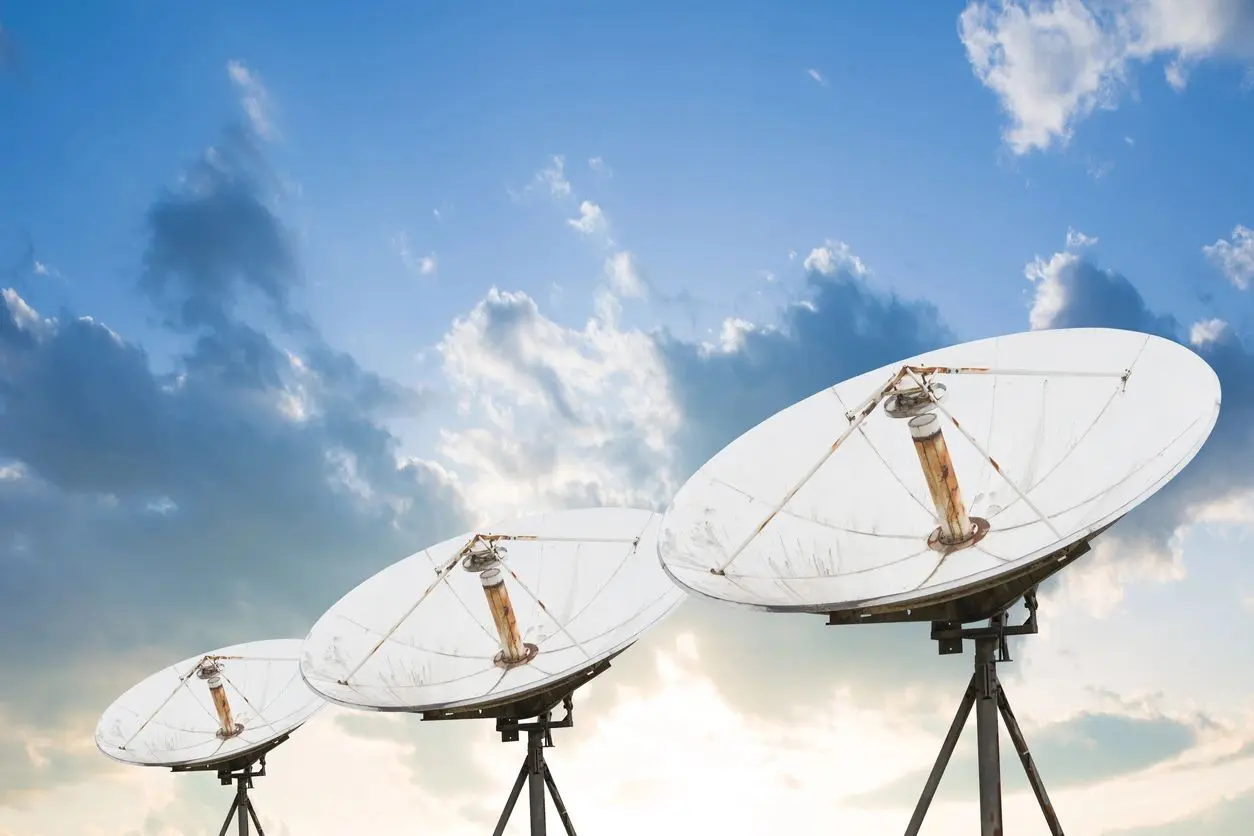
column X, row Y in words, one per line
column 943, row 488
column 943, row 478
column 220, row 711
column 505, row 622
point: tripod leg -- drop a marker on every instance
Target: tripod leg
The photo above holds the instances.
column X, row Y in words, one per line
column 942, row 760
column 230, row 815
column 535, row 779
column 1029, row 766
column 513, row 799
column 252, row 813
column 988, row 730
column 557, row 801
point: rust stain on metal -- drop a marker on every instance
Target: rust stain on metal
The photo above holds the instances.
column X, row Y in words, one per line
column 942, row 482
column 211, row 673
column 513, row 651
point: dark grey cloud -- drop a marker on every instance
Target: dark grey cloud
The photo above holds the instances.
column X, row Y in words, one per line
column 843, row 329
column 216, row 238
column 1085, row 749
column 1094, row 297
column 163, row 514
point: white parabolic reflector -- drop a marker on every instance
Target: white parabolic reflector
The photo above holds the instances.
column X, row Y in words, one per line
column 825, row 506
column 171, row 719
column 422, row 634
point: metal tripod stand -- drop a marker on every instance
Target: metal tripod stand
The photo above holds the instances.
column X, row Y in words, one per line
column 988, row 698
column 242, row 806
column 535, row 771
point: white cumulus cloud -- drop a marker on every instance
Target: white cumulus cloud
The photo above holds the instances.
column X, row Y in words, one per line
column 591, row 220
column 1234, row 257
column 1051, row 63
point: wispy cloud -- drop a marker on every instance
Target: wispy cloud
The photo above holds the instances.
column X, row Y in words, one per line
column 817, row 76
column 591, row 220
column 418, row 265
column 1077, row 239
column 254, row 99
column 598, row 165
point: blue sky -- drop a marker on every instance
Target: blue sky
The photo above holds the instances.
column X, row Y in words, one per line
column 374, row 273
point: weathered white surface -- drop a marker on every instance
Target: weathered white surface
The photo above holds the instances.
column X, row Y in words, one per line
column 1084, row 449
column 169, row 718
column 586, row 587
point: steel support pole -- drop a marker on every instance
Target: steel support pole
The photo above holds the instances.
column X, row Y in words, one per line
column 252, row 814
column 942, row 760
column 513, row 798
column 241, row 804
column 230, row 814
column 557, row 801
column 1029, row 766
column 988, row 730
column 535, row 780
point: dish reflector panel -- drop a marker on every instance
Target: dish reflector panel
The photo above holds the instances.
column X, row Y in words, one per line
column 847, row 500
column 176, row 716
column 494, row 615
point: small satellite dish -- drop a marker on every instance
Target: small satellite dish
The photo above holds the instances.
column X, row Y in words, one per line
column 219, row 711
column 943, row 488
column 505, row 622
column 945, row 484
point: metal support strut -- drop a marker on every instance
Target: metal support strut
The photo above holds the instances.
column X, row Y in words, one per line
column 535, row 772
column 242, row 806
column 986, row 695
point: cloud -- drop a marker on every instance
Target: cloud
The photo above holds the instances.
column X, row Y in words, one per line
column 817, row 76
column 591, row 220
column 553, row 177
column 1072, row 292
column 1078, row 240
column 567, row 417
column 215, row 242
column 833, row 256
column 1207, row 331
column 1085, row 749
column 1235, row 257
column 624, row 275
column 417, row 265
column 599, row 166
column 254, row 99
column 1052, row 63
column 156, row 507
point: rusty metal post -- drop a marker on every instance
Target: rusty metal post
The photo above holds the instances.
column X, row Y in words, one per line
column 1029, row 766
column 503, row 616
column 211, row 673
column 942, row 482
column 988, row 731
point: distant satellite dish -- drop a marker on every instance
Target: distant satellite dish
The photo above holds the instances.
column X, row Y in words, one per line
column 491, row 617
column 947, row 477
column 505, row 621
column 221, row 711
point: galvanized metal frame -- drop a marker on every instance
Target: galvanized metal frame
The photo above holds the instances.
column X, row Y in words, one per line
column 985, row 694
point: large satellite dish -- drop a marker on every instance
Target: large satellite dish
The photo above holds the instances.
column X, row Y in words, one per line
column 505, row 622
column 221, row 711
column 943, row 488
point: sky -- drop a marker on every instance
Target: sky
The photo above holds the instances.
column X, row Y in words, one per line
column 291, row 291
